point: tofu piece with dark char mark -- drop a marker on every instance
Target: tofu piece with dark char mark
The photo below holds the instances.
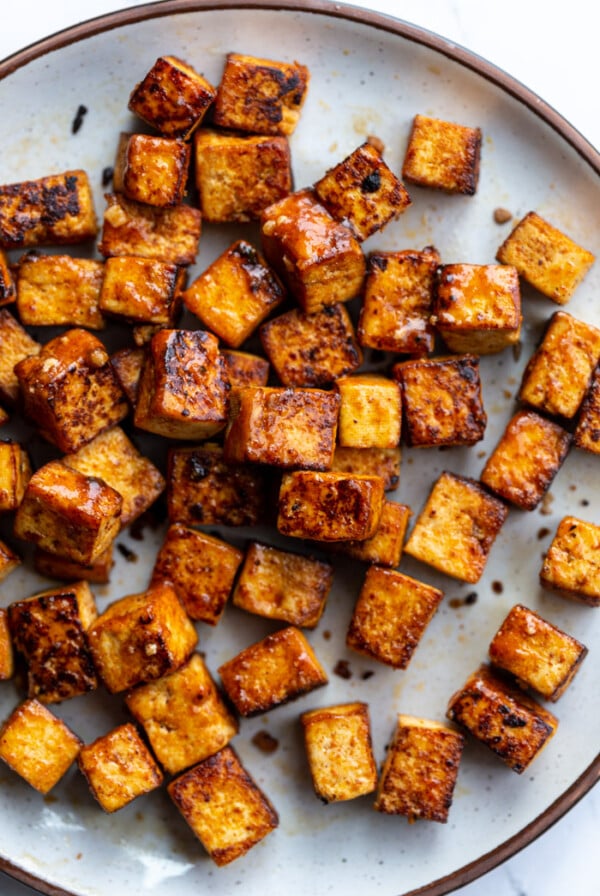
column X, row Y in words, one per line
column 384, row 547
column 245, row 369
column 586, row 434
column 172, row 97
column 443, row 155
column 153, row 170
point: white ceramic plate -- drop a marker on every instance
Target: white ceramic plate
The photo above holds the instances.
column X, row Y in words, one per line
column 370, row 75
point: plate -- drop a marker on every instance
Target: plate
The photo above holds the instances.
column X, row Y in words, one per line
column 369, row 75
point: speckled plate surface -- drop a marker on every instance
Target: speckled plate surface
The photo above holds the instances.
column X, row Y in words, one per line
column 370, row 75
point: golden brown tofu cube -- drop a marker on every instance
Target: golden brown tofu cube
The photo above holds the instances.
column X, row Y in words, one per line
column 67, row 513
column 57, row 290
column 525, row 461
column 477, row 307
column 183, row 715
column 571, row 566
column 330, row 506
column 239, row 175
column 243, row 369
column 586, row 434
column 48, row 631
column 142, row 290
column 15, row 345
column 420, row 770
column 502, row 717
column 127, row 364
column 370, row 411
column 201, row 569
column 234, row 294
column 182, row 393
column 385, row 547
column 456, row 528
column 134, row 228
column 15, row 473
column 339, row 751
column 397, row 301
column 153, row 170
column 442, row 402
column 319, row 260
column 223, row 806
column 443, row 155
column 141, row 637
column 172, row 97
column 8, row 290
column 53, row 567
column 70, row 391
column 311, row 349
column 118, row 767
column 7, row 660
column 54, row 210
column 262, row 96
column 545, row 257
column 382, row 462
column 8, row 561
column 283, row 585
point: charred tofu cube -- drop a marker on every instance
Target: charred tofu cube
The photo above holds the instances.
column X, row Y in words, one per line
column 7, row 663
column 283, row 585
column 172, row 97
column 477, row 307
column 319, row 259
column 311, row 349
column 118, row 767
column 182, row 393
column 234, row 294
column 457, row 527
column 262, row 96
column 397, row 302
column 15, row 473
column 443, row 155
column 330, row 506
column 142, row 290
column 525, row 461
column 15, row 345
column 559, row 372
column 339, row 751
column 127, row 364
column 385, row 547
column 382, row 462
column 201, row 569
column 243, row 369
column 571, row 566
column 57, row 290
column 223, row 806
column 502, row 717
column 370, row 411
column 8, row 561
column 152, row 170
column 141, row 637
column 240, row 175
column 8, row 290
column 53, row 567
column 546, row 258
column 442, row 402
column 183, row 715
column 420, row 770
column 67, row 513
column 587, row 431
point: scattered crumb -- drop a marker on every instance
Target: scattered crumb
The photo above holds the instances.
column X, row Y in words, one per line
column 265, row 742
column 502, row 215
column 327, row 634
column 342, row 668
column 78, row 120
column 497, row 587
column 129, row 555
column 516, row 350
column 543, row 532
column 546, row 504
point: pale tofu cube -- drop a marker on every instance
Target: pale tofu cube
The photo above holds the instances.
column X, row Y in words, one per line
column 370, row 411
column 15, row 473
column 152, row 170
column 443, row 155
column 172, row 97
column 7, row 657
column 142, row 290
column 15, row 345
column 571, row 565
column 382, row 462
column 385, row 547
column 58, row 290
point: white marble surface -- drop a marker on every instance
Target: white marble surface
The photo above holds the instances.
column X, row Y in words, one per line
column 552, row 48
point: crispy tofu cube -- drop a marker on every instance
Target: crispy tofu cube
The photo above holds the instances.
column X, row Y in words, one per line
column 420, row 770
column 223, row 806
column 8, row 290
column 182, row 393
column 318, row 258
column 68, row 513
column 281, row 667
column 370, row 411
column 201, row 569
column 15, row 345
column 443, row 155
column 15, row 473
column 243, row 369
column 311, row 349
column 339, row 751
column 119, row 767
column 571, row 566
column 141, row 637
column 329, row 506
column 586, row 434
column 283, row 585
column 142, row 290
column 385, row 547
column 54, row 210
column 442, row 402
column 127, row 364
column 382, row 462
column 152, row 170
column 525, row 461
column 234, row 294
column 260, row 95
column 172, row 97
column 240, row 175
column 183, row 715
column 53, row 567
column 559, row 372
column 502, row 717
column 8, row 561
column 545, row 257
column 7, row 659
column 477, row 307
column 57, row 290
column 283, row 427
column 397, row 301
column 456, row 528
column 49, row 631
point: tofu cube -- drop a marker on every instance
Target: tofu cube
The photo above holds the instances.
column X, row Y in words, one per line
column 127, row 364
column 546, row 258
column 118, row 767
column 477, row 307
column 8, row 290
column 243, row 369
column 142, row 290
column 339, row 751
column 525, row 461
column 456, row 528
column 172, row 97
column 223, row 806
column 370, row 411
column 7, row 659
column 4, row 416
column 141, row 637
column 502, row 717
column 571, row 565
column 283, row 585
column 385, row 547
column 15, row 345
column 443, row 155
column 8, row 561
column 53, row 567
column 382, row 462
column 58, row 290
column 586, row 434
column 15, row 473
column 152, row 170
